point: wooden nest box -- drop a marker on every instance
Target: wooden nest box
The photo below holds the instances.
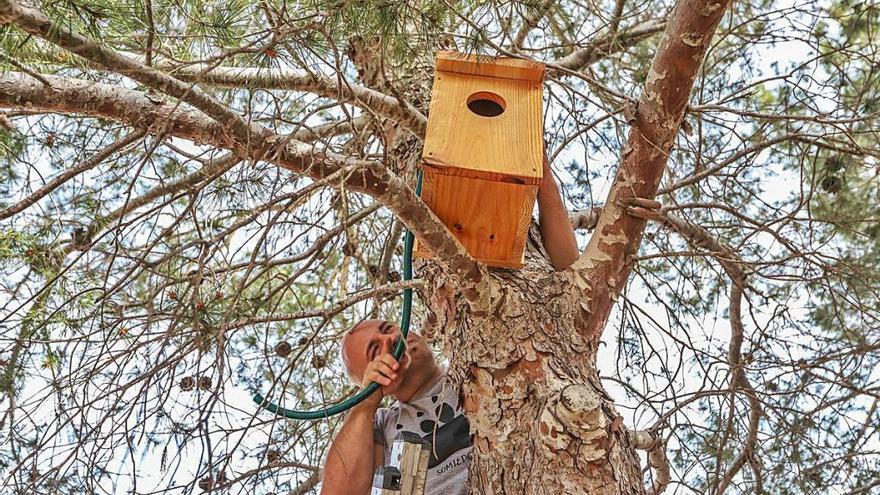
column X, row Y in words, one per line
column 483, row 153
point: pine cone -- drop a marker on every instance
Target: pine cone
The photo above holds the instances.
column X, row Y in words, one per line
column 187, row 384
column 282, row 349
column 318, row 362
column 206, row 483
column 273, row 455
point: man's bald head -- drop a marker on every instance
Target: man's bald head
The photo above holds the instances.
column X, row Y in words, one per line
column 352, row 345
column 371, row 338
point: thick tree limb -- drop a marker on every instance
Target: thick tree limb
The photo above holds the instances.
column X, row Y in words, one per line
column 653, row 444
column 232, row 132
column 136, row 109
column 283, row 79
column 36, row 23
column 604, row 266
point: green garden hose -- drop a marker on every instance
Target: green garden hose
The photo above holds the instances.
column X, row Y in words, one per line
column 397, row 352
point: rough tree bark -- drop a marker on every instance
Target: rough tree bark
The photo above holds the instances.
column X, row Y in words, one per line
column 524, row 344
column 527, row 362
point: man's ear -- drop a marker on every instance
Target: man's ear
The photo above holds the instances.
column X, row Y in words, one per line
column 345, row 363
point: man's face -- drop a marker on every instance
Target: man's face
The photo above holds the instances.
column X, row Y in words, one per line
column 372, row 338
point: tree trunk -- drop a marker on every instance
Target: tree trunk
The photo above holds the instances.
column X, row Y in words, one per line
column 542, row 422
column 532, row 393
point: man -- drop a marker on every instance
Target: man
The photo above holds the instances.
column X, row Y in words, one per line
column 426, row 403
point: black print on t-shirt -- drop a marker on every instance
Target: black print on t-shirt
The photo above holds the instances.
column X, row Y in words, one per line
column 446, row 432
column 448, row 439
column 445, row 413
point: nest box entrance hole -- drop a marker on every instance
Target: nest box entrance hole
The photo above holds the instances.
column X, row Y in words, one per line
column 486, row 104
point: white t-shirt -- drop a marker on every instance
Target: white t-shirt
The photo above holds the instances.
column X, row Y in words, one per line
column 437, row 417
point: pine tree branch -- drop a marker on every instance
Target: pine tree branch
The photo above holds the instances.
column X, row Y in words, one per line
column 585, row 219
column 729, row 161
column 285, row 79
column 332, row 129
column 316, row 245
column 329, row 311
column 530, row 22
column 307, row 485
column 212, row 169
column 36, row 23
column 138, row 110
column 259, row 143
column 151, row 33
column 616, row 17
column 388, row 251
column 732, row 264
column 652, row 443
column 246, row 476
column 20, row 66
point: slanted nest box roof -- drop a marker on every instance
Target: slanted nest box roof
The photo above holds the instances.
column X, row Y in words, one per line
column 483, row 152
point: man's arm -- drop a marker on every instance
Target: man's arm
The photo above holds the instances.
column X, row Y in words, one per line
column 553, row 222
column 354, row 454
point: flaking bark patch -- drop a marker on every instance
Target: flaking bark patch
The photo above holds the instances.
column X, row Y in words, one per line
column 529, row 387
column 692, row 39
